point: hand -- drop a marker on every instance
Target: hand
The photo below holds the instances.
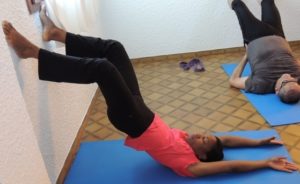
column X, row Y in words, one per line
column 282, row 164
column 270, row 141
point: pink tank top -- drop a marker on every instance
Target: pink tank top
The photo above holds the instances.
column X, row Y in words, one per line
column 165, row 145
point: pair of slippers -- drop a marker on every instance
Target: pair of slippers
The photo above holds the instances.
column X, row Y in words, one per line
column 195, row 64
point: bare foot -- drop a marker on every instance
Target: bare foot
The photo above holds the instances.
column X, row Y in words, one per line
column 23, row 48
column 50, row 30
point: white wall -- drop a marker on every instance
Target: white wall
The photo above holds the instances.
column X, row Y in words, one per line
column 50, row 117
column 20, row 157
column 156, row 27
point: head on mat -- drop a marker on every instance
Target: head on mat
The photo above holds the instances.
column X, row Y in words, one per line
column 288, row 89
column 207, row 147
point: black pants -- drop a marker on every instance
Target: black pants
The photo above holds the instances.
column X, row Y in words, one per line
column 251, row 27
column 105, row 62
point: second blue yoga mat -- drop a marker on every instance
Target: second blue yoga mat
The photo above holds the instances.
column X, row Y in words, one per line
column 110, row 162
column 269, row 105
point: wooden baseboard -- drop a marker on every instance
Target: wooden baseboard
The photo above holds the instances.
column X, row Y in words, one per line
column 182, row 56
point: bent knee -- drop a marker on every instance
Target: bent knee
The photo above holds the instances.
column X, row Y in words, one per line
column 105, row 66
column 116, row 46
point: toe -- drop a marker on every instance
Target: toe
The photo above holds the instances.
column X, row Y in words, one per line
column 7, row 25
column 4, row 24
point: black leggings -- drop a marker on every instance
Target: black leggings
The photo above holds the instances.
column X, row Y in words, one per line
column 251, row 27
column 105, row 62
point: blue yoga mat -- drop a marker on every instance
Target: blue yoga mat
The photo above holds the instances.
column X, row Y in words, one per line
column 110, row 162
column 269, row 106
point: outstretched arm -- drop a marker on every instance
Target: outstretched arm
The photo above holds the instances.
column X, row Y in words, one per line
column 210, row 168
column 235, row 79
column 235, row 141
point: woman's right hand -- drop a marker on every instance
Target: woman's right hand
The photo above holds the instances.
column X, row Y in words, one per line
column 282, row 164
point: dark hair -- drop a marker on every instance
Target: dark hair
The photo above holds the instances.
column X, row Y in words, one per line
column 289, row 96
column 216, row 153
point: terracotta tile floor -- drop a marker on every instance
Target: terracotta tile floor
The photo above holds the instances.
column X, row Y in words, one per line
column 192, row 101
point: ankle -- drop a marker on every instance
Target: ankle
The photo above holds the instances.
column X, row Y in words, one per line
column 35, row 52
column 58, row 34
column 52, row 34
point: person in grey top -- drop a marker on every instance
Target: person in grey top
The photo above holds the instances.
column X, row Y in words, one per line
column 273, row 66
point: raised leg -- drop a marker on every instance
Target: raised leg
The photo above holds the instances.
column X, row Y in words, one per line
column 83, row 46
column 271, row 15
column 251, row 27
column 127, row 112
